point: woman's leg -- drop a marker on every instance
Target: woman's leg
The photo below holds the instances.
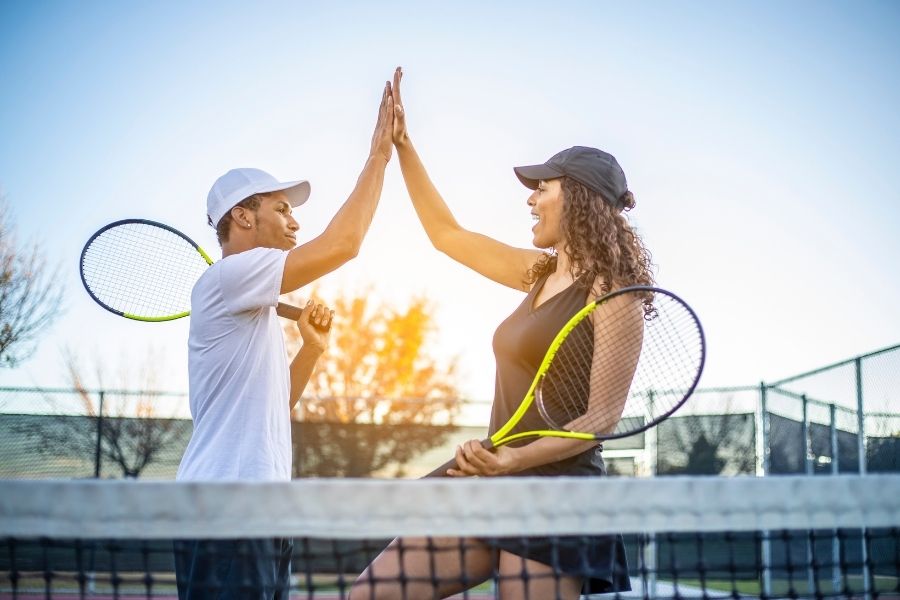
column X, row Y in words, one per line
column 420, row 568
column 524, row 579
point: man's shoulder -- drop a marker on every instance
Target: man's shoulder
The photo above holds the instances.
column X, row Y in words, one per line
column 252, row 259
column 243, row 281
column 207, row 278
column 253, row 253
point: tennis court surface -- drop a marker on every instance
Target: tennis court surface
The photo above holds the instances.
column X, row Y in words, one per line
column 775, row 537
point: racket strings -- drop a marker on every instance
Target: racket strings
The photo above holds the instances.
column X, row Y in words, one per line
column 565, row 388
column 143, row 270
column 669, row 363
column 634, row 369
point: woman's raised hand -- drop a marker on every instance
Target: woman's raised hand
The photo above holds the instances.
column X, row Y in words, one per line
column 400, row 135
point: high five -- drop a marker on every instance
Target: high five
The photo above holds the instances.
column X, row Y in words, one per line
column 584, row 248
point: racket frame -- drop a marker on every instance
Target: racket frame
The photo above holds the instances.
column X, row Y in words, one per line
column 501, row 437
column 283, row 310
column 557, row 342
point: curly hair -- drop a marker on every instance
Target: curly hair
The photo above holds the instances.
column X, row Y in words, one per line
column 223, row 227
column 599, row 240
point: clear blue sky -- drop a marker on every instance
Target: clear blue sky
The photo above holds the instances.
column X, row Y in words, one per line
column 761, row 141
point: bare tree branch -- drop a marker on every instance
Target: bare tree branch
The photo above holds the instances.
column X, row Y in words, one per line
column 134, row 430
column 31, row 294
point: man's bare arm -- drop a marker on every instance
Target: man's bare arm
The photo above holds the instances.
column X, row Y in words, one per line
column 343, row 237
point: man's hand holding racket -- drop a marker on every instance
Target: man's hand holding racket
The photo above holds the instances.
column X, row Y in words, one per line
column 315, row 326
column 315, row 329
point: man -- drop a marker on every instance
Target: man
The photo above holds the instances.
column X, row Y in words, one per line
column 241, row 387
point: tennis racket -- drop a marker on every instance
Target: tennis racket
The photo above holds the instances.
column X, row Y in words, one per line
column 144, row 270
column 621, row 365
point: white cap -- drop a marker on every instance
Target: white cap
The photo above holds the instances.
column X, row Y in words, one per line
column 239, row 184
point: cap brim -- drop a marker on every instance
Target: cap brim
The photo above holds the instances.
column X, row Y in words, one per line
column 296, row 191
column 531, row 175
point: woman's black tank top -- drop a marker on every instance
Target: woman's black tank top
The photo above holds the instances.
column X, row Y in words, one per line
column 520, row 343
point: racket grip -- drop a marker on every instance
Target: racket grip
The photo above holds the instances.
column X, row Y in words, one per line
column 441, row 471
column 288, row 312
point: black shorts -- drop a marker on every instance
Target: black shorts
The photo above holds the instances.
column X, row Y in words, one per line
column 239, row 569
column 599, row 560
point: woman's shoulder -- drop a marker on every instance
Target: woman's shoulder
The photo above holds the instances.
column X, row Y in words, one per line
column 598, row 288
column 543, row 266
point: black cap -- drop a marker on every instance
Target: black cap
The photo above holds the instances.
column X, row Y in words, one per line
column 595, row 169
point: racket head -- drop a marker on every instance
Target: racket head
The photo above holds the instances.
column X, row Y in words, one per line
column 142, row 270
column 640, row 365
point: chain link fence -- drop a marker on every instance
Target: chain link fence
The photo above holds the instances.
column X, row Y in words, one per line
column 91, row 433
column 842, row 418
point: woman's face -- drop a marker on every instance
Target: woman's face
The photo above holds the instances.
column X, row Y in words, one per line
column 546, row 204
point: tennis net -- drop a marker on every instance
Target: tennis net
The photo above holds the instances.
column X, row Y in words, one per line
column 778, row 537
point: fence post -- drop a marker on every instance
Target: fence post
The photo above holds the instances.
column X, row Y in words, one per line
column 763, row 424
column 766, row 542
column 835, row 451
column 808, row 467
column 860, row 419
column 650, row 549
column 835, row 468
column 809, row 470
column 97, row 453
column 861, row 450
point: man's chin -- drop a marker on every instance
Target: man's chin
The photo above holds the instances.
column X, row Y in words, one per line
column 285, row 245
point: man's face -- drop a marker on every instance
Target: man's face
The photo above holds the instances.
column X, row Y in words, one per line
column 275, row 225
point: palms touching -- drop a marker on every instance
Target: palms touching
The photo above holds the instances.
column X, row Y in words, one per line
column 400, row 135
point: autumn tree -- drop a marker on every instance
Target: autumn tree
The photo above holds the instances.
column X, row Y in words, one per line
column 378, row 397
column 125, row 426
column 31, row 293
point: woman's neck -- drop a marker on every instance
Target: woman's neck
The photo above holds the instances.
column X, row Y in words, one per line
column 563, row 264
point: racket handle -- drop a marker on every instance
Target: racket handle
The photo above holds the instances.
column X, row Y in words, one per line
column 293, row 313
column 441, row 471
column 287, row 311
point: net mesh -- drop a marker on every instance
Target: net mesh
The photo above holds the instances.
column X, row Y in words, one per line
column 142, row 269
column 779, row 537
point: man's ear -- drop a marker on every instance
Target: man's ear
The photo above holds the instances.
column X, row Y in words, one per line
column 241, row 217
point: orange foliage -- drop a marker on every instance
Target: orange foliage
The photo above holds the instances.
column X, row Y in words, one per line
column 378, row 368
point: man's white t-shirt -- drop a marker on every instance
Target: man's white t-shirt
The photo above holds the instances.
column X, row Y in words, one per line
column 238, row 372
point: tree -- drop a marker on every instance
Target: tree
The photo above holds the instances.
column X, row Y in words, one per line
column 883, row 444
column 378, row 398
column 883, row 454
column 30, row 294
column 703, row 456
column 711, row 444
column 122, row 427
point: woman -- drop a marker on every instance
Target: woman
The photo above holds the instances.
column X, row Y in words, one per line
column 585, row 248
